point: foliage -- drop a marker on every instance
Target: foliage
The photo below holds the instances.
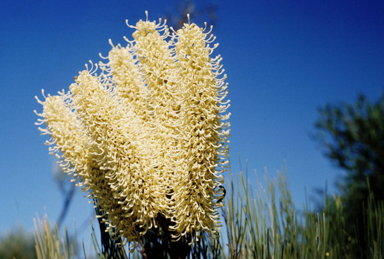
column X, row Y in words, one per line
column 265, row 225
column 50, row 245
column 259, row 223
column 353, row 137
column 17, row 244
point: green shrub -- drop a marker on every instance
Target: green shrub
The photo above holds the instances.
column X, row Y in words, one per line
column 17, row 244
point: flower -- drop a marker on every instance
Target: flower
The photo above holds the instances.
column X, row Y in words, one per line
column 148, row 135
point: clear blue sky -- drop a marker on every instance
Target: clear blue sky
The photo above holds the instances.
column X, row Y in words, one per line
column 284, row 59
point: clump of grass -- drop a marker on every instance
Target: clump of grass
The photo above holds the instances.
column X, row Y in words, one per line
column 260, row 223
column 264, row 224
column 48, row 243
column 374, row 225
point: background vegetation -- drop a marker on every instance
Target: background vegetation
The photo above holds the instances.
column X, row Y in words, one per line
column 353, row 138
column 259, row 223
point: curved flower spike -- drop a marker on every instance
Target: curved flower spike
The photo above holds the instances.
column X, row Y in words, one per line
column 148, row 136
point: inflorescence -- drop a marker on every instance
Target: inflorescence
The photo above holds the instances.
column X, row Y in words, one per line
column 146, row 132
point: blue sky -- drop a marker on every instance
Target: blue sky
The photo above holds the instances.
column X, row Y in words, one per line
column 284, row 59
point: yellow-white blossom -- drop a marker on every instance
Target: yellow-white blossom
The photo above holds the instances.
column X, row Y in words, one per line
column 146, row 132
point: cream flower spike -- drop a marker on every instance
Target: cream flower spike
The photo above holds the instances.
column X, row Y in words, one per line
column 147, row 135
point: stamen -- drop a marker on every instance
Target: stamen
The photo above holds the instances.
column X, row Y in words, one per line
column 42, row 91
column 130, row 42
column 38, row 100
column 110, row 42
column 130, row 26
column 209, row 30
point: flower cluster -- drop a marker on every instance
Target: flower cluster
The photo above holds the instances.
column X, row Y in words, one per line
column 146, row 132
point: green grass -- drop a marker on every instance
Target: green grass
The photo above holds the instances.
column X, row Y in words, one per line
column 260, row 223
column 264, row 223
column 49, row 245
column 18, row 243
